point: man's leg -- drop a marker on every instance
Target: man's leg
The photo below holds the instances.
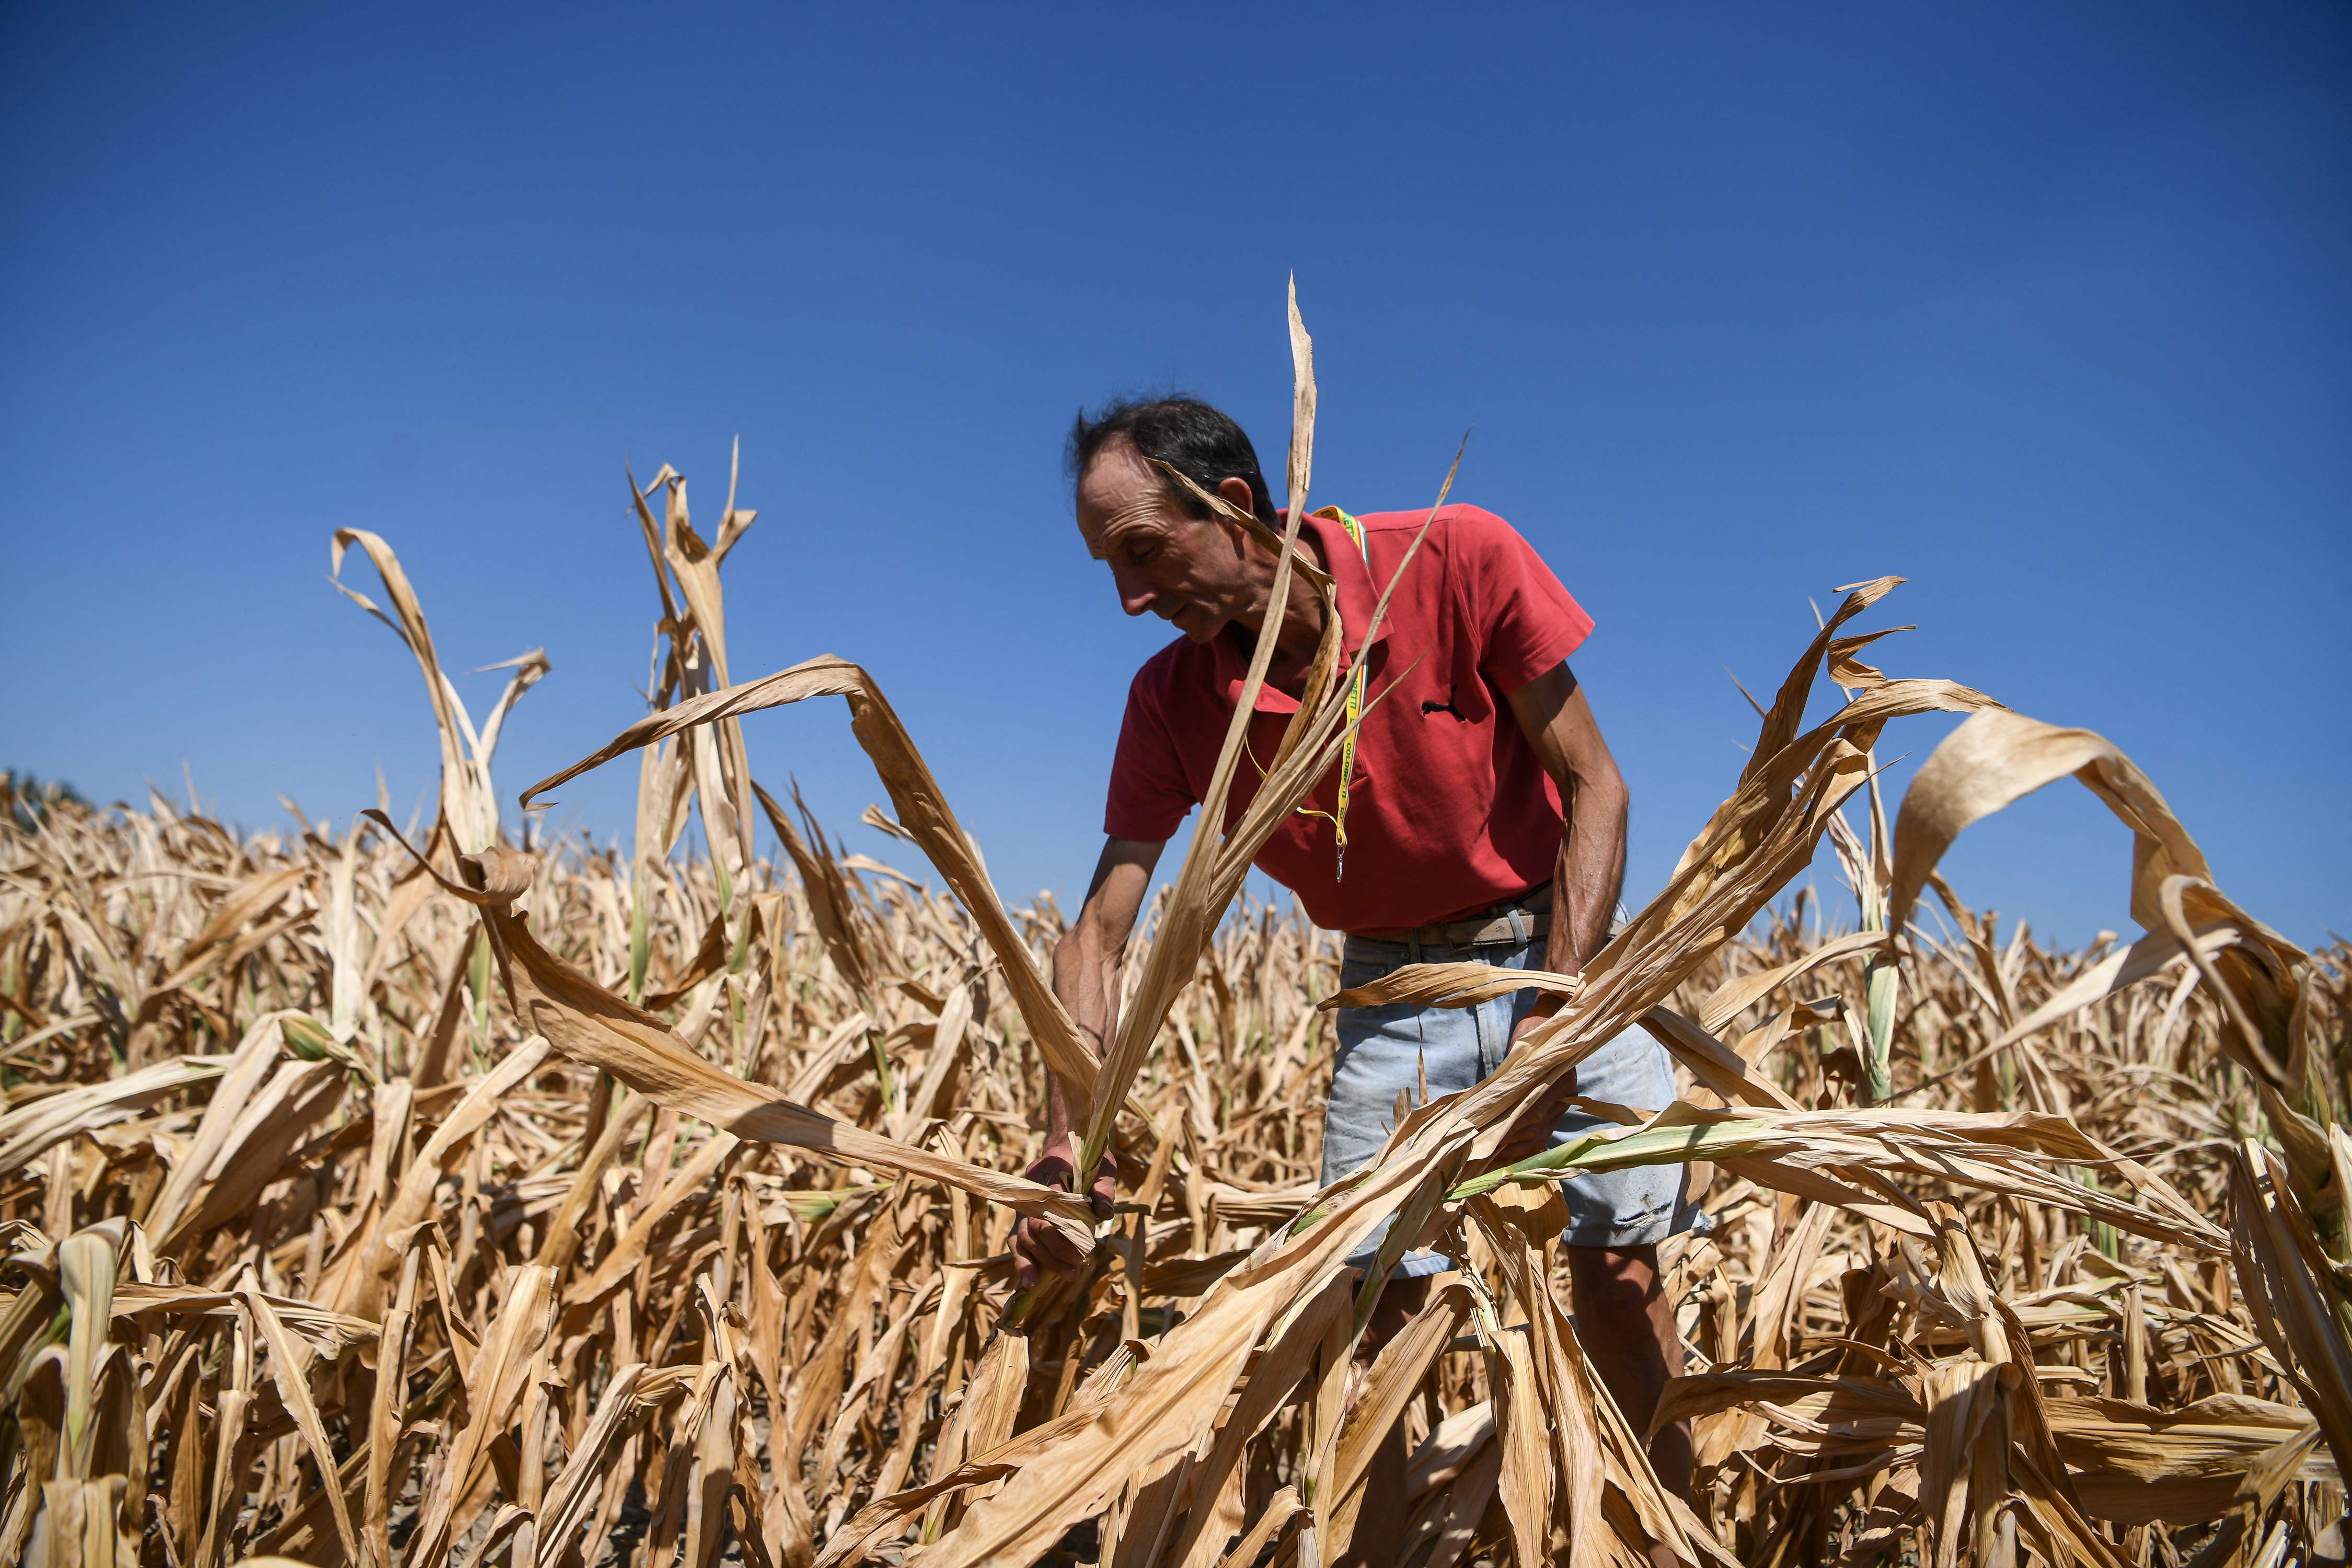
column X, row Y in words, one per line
column 1379, row 1523
column 1385, row 1052
column 1627, row 1327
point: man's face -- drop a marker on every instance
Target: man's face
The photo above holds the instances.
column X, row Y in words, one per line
column 1192, row 573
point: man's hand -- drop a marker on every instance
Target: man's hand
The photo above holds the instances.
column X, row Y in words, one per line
column 1534, row 1128
column 1035, row 1242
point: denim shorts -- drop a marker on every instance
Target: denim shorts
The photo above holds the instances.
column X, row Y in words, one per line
column 1386, row 1052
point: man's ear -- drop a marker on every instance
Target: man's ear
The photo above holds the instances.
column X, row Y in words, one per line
column 1235, row 491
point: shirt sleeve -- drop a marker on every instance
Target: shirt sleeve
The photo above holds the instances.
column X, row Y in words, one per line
column 1527, row 622
column 1148, row 796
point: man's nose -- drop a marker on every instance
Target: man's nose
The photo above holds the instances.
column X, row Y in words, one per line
column 1135, row 595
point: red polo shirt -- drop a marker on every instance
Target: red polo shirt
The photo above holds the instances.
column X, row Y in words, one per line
column 1449, row 810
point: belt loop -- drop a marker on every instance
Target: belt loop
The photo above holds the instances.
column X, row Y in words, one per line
column 1518, row 927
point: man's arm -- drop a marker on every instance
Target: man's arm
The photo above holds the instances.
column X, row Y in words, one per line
column 1085, row 977
column 1590, row 874
column 1591, row 871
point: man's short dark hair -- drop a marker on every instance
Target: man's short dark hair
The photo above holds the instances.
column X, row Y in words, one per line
column 1190, row 436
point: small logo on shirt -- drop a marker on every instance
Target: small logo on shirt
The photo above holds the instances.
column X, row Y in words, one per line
column 1445, row 707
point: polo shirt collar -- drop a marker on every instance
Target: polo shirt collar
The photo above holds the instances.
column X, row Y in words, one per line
column 1352, row 585
column 1352, row 581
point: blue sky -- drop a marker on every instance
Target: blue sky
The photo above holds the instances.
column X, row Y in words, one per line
column 2048, row 309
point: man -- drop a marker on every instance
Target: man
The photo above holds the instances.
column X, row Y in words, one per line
column 1483, row 819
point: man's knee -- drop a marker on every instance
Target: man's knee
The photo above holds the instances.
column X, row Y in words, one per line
column 1613, row 1281
column 1401, row 1301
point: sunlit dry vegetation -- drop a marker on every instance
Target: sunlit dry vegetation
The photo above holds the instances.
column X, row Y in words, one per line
column 489, row 1201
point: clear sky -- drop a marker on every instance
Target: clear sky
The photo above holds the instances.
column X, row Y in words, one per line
column 2046, row 308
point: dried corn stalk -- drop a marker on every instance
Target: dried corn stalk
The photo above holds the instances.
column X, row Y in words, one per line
column 550, row 1205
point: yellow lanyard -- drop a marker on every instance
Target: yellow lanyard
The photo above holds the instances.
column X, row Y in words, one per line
column 1355, row 709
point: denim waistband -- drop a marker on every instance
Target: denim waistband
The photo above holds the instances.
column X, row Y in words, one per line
column 1379, row 950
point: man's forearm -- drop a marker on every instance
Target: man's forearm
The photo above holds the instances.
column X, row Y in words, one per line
column 1591, row 871
column 1079, row 970
column 1590, row 876
column 1086, row 961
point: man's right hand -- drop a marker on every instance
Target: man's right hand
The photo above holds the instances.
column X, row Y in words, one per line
column 1036, row 1243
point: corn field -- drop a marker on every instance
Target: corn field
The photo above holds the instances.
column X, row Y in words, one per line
column 406, row 1198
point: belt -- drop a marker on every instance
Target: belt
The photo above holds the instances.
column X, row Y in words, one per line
column 1513, row 920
